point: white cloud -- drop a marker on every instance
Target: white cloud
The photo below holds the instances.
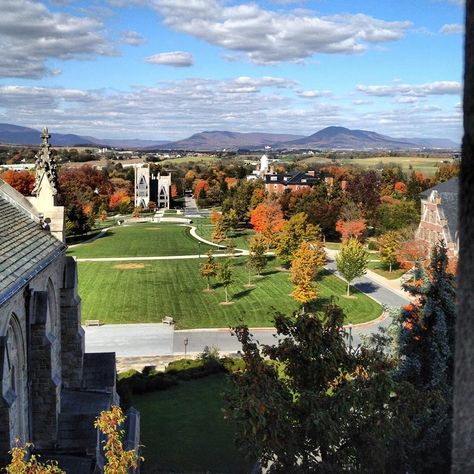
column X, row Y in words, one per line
column 30, row 35
column 172, row 58
column 414, row 90
column 452, row 28
column 176, row 109
column 312, row 94
column 132, row 38
column 268, row 36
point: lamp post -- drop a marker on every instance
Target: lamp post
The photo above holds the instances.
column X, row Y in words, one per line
column 350, row 336
column 186, row 342
column 199, row 249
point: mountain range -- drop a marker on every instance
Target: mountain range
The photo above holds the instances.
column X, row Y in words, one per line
column 329, row 138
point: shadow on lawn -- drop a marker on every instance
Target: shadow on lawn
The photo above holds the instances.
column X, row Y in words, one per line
column 242, row 294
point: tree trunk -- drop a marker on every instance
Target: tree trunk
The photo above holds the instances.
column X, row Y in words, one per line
column 348, row 288
column 249, row 277
column 208, row 285
column 390, row 267
column 226, row 299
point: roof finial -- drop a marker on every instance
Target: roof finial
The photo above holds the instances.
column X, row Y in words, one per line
column 45, row 136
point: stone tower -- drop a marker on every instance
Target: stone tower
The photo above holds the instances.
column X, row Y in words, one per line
column 45, row 193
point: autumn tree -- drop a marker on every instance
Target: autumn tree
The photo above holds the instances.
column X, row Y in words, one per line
column 230, row 220
column 22, row 462
column 411, row 253
column 224, row 276
column 352, row 261
column 389, row 247
column 267, row 219
column 257, row 259
column 295, row 230
column 307, row 261
column 307, row 404
column 22, row 181
column 218, row 234
column 119, row 460
column 209, row 269
column 353, row 229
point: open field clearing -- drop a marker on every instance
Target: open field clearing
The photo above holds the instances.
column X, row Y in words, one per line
column 148, row 292
column 142, row 240
column 190, row 159
column 240, row 236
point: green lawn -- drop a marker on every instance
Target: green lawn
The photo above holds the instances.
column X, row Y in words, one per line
column 142, row 240
column 183, row 429
column 145, row 292
column 382, row 270
column 241, row 236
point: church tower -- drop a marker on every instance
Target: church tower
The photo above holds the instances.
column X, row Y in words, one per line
column 45, row 192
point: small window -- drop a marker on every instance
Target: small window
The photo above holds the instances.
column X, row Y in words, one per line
column 303, row 180
column 274, row 178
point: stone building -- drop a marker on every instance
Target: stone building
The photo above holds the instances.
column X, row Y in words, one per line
column 155, row 188
column 439, row 216
column 51, row 391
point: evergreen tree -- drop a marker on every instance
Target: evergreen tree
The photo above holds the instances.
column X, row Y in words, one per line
column 426, row 351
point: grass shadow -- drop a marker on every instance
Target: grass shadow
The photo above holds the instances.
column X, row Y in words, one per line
column 242, row 294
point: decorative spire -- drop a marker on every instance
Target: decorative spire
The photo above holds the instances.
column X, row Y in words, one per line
column 45, row 165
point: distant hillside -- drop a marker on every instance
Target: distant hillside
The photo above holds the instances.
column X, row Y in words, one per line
column 343, row 138
column 219, row 140
column 329, row 138
column 17, row 135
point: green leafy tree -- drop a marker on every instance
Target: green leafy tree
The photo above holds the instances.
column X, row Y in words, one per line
column 352, row 261
column 209, row 269
column 224, row 276
column 231, row 247
column 230, row 220
column 307, row 404
column 426, row 354
column 295, row 230
column 257, row 260
column 389, row 248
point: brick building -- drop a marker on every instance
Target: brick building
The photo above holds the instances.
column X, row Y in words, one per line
column 439, row 216
column 294, row 181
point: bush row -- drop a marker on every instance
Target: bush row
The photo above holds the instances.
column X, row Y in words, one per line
column 149, row 380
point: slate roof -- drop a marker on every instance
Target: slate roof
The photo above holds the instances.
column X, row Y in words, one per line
column 293, row 177
column 449, row 194
column 25, row 248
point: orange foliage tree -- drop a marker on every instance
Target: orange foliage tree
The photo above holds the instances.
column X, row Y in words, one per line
column 410, row 253
column 267, row 219
column 400, row 187
column 353, row 229
column 119, row 199
column 201, row 185
column 22, row 181
column 24, row 463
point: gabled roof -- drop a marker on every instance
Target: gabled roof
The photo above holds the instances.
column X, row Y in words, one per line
column 292, row 177
column 449, row 194
column 25, row 248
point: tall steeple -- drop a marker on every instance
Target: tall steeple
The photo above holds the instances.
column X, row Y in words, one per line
column 45, row 167
column 45, row 193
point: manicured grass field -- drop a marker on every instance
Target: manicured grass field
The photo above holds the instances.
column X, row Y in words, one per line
column 183, row 429
column 381, row 269
column 206, row 159
column 142, row 240
column 145, row 292
column 240, row 236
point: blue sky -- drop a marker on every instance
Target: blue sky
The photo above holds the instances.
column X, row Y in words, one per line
column 164, row 69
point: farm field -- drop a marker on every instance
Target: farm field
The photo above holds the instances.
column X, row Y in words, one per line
column 190, row 159
column 172, row 425
column 142, row 240
column 145, row 292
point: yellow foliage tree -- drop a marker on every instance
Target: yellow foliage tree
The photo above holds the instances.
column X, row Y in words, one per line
column 119, row 461
column 23, row 463
column 307, row 261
